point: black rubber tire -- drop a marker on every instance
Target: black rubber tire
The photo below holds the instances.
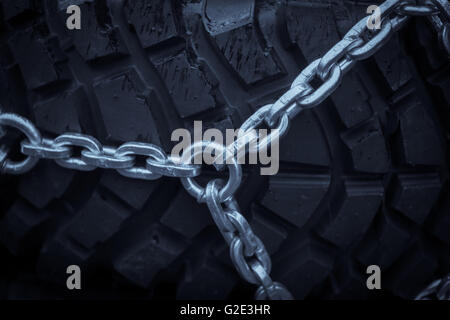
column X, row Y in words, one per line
column 363, row 177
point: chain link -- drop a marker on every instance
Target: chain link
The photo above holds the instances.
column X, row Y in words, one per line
column 32, row 134
column 247, row 252
column 438, row 289
column 93, row 154
column 422, row 8
column 441, row 23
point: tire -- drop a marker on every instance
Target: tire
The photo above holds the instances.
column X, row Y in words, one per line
column 363, row 177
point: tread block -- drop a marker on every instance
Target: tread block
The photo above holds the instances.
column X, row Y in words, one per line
column 96, row 222
column 295, row 197
column 154, row 21
column 126, row 108
column 270, row 233
column 413, row 273
column 305, row 23
column 358, row 109
column 50, row 179
column 308, row 263
column 368, row 147
column 19, row 221
column 441, row 79
column 189, row 226
column 440, row 225
column 352, row 217
column 191, row 89
column 12, row 87
column 415, row 195
column 349, row 283
column 14, row 8
column 426, row 41
column 98, row 37
column 56, row 255
column 421, row 141
column 132, row 191
column 208, row 280
column 392, row 63
column 392, row 239
column 347, row 14
column 26, row 286
column 305, row 133
column 140, row 264
column 250, row 59
column 60, row 114
column 46, row 65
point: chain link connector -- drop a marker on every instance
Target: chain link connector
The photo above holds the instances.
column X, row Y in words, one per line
column 247, row 136
column 143, row 149
column 243, row 263
column 325, row 89
column 170, row 167
column 79, row 140
column 234, row 168
column 275, row 111
column 276, row 292
column 268, row 288
column 47, row 149
column 218, row 213
column 244, row 232
column 375, row 43
column 106, row 158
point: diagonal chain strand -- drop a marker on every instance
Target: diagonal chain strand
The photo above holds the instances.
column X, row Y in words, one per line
column 247, row 252
column 438, row 289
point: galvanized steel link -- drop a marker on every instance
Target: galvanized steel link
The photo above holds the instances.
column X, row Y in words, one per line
column 143, row 149
column 417, row 8
column 45, row 149
column 235, row 172
column 247, row 252
column 248, row 136
column 93, row 154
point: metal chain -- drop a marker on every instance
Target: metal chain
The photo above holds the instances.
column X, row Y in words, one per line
column 93, row 154
column 441, row 23
column 412, row 8
column 247, row 251
column 438, row 289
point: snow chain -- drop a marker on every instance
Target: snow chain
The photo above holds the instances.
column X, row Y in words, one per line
column 248, row 253
column 437, row 290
